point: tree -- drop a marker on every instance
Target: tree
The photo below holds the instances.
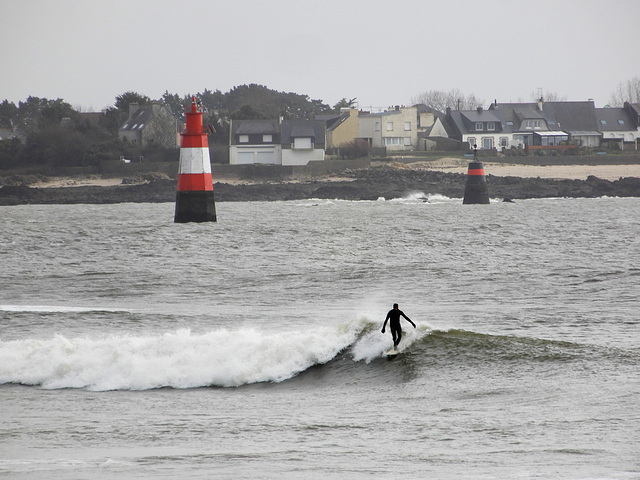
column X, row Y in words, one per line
column 548, row 96
column 8, row 114
column 36, row 114
column 628, row 91
column 344, row 103
column 123, row 100
column 453, row 99
column 272, row 104
column 175, row 103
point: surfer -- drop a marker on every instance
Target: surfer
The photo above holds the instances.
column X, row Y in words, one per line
column 394, row 323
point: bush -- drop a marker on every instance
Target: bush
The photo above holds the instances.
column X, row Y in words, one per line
column 355, row 149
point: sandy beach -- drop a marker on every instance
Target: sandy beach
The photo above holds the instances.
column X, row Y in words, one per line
column 447, row 165
column 570, row 172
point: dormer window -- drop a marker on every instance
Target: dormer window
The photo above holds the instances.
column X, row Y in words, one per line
column 243, row 138
column 491, row 126
column 302, row 143
column 478, row 126
column 267, row 138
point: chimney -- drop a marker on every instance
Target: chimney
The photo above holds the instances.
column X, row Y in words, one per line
column 133, row 108
column 480, row 109
column 540, row 103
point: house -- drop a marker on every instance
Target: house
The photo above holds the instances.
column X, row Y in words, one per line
column 577, row 119
column 618, row 125
column 395, row 129
column 440, row 136
column 480, row 127
column 150, row 125
column 255, row 141
column 342, row 129
column 427, row 117
column 276, row 142
column 303, row 141
column 527, row 125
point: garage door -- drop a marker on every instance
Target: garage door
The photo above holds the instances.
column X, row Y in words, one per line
column 265, row 157
column 245, row 157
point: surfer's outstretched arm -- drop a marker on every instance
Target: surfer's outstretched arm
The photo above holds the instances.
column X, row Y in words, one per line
column 385, row 323
column 408, row 319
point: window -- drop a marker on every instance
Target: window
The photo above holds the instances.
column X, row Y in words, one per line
column 472, row 141
column 407, row 126
column 620, row 122
column 267, row 138
column 504, row 141
column 487, row 143
column 509, row 123
column 532, row 124
column 392, row 141
column 377, row 126
column 243, row 138
column 491, row 126
column 603, row 122
column 389, row 126
column 478, row 126
column 407, row 141
column 302, row 143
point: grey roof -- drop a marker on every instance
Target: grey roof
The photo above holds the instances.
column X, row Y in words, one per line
column 614, row 120
column 480, row 116
column 316, row 129
column 336, row 122
column 139, row 119
column 516, row 113
column 571, row 116
column 260, row 127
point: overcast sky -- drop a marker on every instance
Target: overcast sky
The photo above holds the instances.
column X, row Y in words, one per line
column 384, row 52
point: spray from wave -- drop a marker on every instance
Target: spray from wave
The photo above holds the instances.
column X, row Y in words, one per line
column 228, row 358
column 179, row 359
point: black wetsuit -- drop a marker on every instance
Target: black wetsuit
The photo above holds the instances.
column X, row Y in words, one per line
column 394, row 324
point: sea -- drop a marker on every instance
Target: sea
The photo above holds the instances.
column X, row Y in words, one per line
column 132, row 347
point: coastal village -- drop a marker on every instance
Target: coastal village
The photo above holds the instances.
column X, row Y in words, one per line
column 503, row 128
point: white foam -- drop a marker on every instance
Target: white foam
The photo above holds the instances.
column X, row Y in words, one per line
column 373, row 343
column 55, row 309
column 178, row 359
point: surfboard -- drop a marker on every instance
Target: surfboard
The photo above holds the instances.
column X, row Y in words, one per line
column 391, row 353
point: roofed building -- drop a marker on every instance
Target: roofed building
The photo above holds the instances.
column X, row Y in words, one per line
column 150, row 125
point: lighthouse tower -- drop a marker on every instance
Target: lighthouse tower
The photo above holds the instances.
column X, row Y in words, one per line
column 194, row 199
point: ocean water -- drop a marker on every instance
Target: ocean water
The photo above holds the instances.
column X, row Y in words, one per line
column 133, row 347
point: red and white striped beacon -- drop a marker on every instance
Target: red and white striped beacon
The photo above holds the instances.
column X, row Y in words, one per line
column 194, row 199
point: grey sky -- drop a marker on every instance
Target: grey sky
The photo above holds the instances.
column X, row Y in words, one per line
column 382, row 52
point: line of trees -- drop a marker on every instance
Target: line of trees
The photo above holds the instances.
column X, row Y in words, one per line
column 51, row 134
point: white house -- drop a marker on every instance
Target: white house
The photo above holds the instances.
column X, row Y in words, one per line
column 275, row 142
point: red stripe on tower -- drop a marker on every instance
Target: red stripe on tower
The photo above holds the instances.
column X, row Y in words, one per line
column 194, row 199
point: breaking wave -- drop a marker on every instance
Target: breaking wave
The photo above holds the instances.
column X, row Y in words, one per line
column 227, row 358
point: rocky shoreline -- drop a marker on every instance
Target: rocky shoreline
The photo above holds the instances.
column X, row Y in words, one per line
column 363, row 184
